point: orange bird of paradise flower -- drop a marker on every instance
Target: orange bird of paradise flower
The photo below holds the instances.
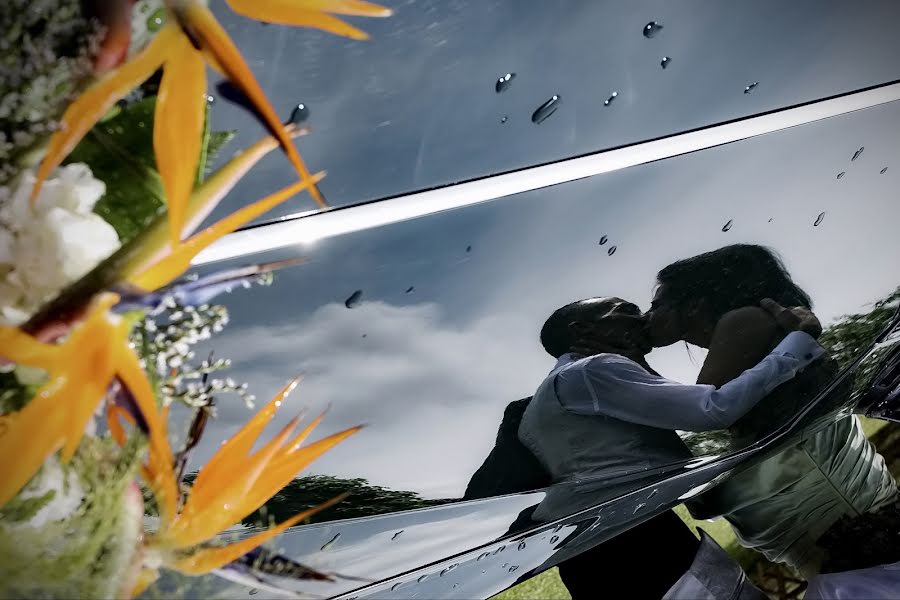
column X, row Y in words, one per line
column 190, row 40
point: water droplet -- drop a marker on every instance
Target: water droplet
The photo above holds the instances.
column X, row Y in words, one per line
column 455, row 585
column 638, row 508
column 603, row 240
column 410, row 289
column 396, row 585
column 819, row 219
column 504, row 82
column 468, row 249
column 727, row 225
column 751, row 87
column 422, row 578
column 327, row 545
column 554, row 539
column 504, row 118
column 665, row 62
column 498, row 550
column 651, row 29
column 653, row 493
column 253, row 592
column 514, row 568
column 883, row 171
column 612, row 250
column 210, row 99
column 483, row 555
column 609, row 100
column 354, row 300
column 841, row 174
column 299, row 114
column 483, row 571
column 156, row 20
column 857, row 154
column 546, row 109
column 558, row 528
column 364, row 336
column 396, row 535
column 504, row 565
column 521, row 546
column 771, row 219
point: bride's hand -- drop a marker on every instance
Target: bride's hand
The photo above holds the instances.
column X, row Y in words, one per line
column 795, row 318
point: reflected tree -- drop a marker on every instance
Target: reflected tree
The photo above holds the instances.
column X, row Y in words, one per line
column 364, row 500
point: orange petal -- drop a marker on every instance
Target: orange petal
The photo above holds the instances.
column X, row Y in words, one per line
column 31, row 436
column 286, row 12
column 21, row 348
column 163, row 484
column 178, row 128
column 114, row 416
column 258, row 9
column 204, row 561
column 199, row 522
column 283, row 470
column 98, row 99
column 203, row 201
column 213, row 39
column 176, row 263
column 238, row 447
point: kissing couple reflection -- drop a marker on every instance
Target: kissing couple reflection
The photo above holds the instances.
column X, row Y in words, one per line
column 602, row 413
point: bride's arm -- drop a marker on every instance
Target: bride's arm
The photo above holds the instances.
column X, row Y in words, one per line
column 741, row 339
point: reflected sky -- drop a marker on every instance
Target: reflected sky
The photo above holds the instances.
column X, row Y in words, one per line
column 431, row 371
column 416, row 106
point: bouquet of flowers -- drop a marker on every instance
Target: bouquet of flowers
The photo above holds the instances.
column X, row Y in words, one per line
column 97, row 322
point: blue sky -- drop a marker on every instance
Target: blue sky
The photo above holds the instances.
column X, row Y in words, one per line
column 415, row 107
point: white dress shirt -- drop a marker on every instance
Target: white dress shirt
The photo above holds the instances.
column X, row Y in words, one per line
column 605, row 415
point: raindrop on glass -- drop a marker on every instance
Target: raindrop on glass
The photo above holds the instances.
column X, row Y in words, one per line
column 299, row 114
column 354, row 300
column 883, row 171
column 653, row 493
column 558, row 528
column 665, row 62
column 156, row 20
column 504, row 82
column 603, row 240
column 396, row 585
column 554, row 539
column 254, row 592
column 498, row 550
column 514, row 568
column 819, row 219
column 751, row 87
column 327, row 545
column 483, row 555
column 651, row 29
column 611, row 251
column 504, row 118
column 504, row 565
column 771, row 219
column 410, row 289
column 841, row 174
column 364, row 335
column 396, row 535
column 638, row 508
column 609, row 100
column 727, row 225
column 521, row 546
column 546, row 109
column 210, row 99
column 468, row 249
column 422, row 578
column 857, row 154
column 455, row 585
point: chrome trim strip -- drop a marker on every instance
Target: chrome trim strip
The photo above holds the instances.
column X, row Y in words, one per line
column 309, row 227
